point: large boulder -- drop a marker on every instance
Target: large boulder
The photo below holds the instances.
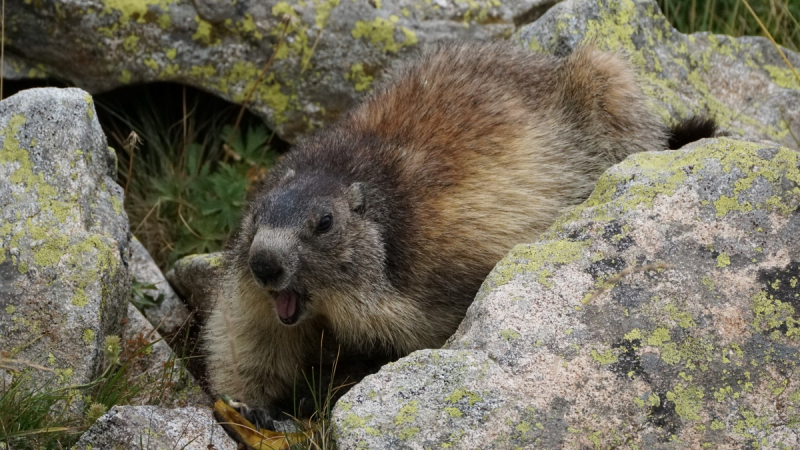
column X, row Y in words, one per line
column 664, row 312
column 64, row 239
column 150, row 427
column 331, row 52
column 743, row 83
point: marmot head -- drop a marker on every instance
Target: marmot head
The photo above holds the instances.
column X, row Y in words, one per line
column 308, row 235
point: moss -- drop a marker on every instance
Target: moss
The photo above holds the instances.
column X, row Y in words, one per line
column 80, row 299
column 523, row 427
column 248, row 26
column 532, row 258
column 726, row 204
column 509, row 335
column 353, row 421
column 283, row 8
column 771, row 313
column 460, row 393
column 244, row 75
column 408, row 433
column 134, row 9
column 131, row 43
column 323, row 12
column 605, row 358
column 204, row 33
column 89, row 111
column 782, row 76
column 658, row 337
column 215, row 261
column 361, row 81
column 380, row 32
column 453, row 412
column 687, row 400
column 88, row 336
column 49, row 253
column 635, row 334
column 164, row 21
column 151, row 63
column 116, row 204
column 408, row 413
column 203, row 72
column 683, row 318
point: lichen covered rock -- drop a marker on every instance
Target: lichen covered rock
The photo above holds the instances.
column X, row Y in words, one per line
column 195, row 278
column 743, row 83
column 151, row 427
column 331, row 52
column 161, row 374
column 170, row 314
column 64, row 282
column 664, row 312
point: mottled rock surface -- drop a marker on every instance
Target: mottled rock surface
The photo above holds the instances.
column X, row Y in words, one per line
column 331, row 53
column 150, row 427
column 64, row 255
column 195, row 278
column 743, row 83
column 161, row 373
column 170, row 315
column 664, row 312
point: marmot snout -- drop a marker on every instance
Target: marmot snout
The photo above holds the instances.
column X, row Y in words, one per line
column 300, row 245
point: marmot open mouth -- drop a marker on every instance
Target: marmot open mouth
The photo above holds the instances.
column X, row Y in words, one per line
column 289, row 305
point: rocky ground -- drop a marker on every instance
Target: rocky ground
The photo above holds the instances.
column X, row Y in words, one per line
column 661, row 313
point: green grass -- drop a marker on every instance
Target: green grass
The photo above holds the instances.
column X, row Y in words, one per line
column 733, row 18
column 187, row 175
column 44, row 415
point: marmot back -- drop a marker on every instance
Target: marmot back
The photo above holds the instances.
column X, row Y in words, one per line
column 381, row 228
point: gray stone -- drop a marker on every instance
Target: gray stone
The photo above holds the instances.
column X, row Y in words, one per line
column 151, row 427
column 195, row 278
column 156, row 368
column 743, row 83
column 332, row 52
column 171, row 314
column 64, row 239
column 661, row 313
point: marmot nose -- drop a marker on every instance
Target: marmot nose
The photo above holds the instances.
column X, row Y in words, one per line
column 266, row 268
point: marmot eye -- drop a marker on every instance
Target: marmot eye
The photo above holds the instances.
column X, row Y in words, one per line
column 325, row 224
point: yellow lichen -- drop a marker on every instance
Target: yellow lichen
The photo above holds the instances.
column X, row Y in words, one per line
column 361, row 81
column 88, row 336
column 381, row 33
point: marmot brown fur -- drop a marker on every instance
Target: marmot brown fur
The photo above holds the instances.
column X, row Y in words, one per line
column 381, row 228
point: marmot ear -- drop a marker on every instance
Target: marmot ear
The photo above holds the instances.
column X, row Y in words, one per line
column 357, row 197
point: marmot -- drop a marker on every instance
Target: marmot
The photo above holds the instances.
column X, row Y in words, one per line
column 381, row 228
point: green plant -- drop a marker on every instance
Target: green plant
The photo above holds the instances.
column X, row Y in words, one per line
column 43, row 414
column 141, row 297
column 780, row 18
column 186, row 184
column 35, row 414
